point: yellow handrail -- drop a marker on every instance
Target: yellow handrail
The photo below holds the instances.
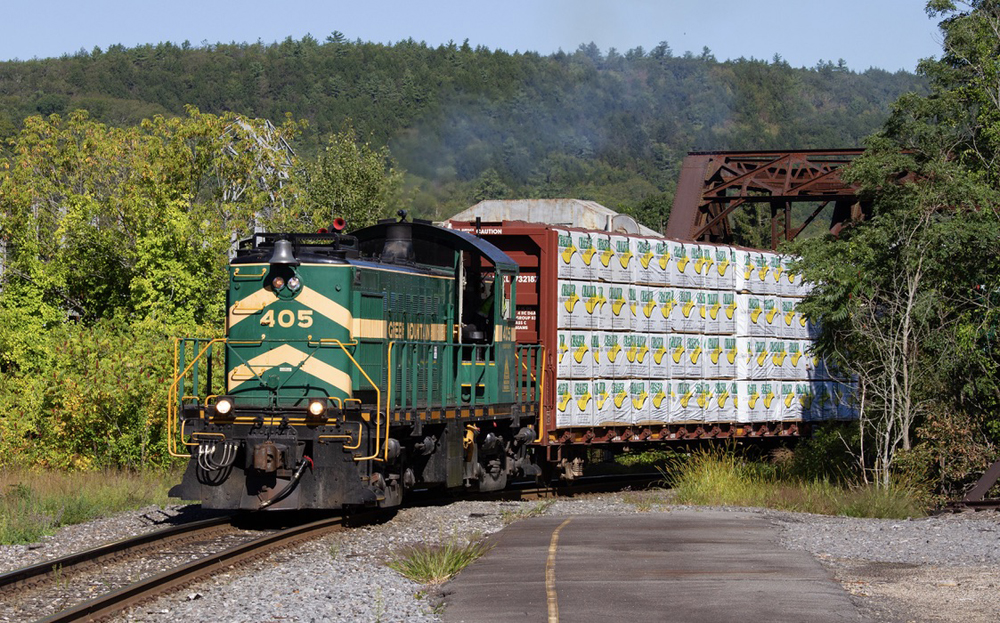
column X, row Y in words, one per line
column 173, row 430
column 346, row 447
column 378, row 402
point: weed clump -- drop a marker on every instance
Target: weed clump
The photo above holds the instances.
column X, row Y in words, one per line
column 436, row 564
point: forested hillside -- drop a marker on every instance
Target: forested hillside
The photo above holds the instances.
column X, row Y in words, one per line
column 470, row 123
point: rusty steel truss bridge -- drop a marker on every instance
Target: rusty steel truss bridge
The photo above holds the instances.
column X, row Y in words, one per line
column 714, row 185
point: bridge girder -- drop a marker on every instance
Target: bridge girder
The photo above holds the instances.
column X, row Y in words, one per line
column 713, row 185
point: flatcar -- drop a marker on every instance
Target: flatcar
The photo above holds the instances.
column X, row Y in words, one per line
column 407, row 355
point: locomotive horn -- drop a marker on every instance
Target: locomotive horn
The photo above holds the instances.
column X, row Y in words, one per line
column 283, row 253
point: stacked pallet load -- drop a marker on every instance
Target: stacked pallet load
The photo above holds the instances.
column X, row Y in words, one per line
column 654, row 331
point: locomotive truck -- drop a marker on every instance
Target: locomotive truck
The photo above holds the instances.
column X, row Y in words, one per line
column 407, row 355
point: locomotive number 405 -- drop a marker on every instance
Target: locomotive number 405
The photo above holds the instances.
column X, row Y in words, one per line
column 287, row 318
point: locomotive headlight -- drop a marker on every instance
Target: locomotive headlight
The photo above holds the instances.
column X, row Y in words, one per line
column 294, row 284
column 317, row 406
column 277, row 283
column 224, row 405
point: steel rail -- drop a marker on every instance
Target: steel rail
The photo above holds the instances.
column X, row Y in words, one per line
column 129, row 596
column 73, row 562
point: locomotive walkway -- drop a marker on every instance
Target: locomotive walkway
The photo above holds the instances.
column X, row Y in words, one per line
column 692, row 566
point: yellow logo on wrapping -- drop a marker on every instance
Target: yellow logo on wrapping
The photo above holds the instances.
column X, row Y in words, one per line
column 695, row 355
column 713, row 311
column 595, row 302
column 768, row 399
column 646, row 258
column 564, row 401
column 640, row 400
column 606, row 256
column 641, row 356
column 702, row 399
column 721, row 400
column 580, row 353
column 658, row 354
column 588, row 255
column 686, row 398
column 678, row 353
column 571, row 302
column 666, row 308
column 602, row 397
column 649, row 307
column 703, row 265
column 620, row 399
column 658, row 399
column 583, row 401
column 613, row 353
column 567, row 253
column 715, row 354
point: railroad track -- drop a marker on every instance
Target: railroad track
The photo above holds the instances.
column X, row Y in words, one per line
column 34, row 592
column 47, row 590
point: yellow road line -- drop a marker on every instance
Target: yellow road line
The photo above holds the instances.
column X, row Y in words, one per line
column 550, row 574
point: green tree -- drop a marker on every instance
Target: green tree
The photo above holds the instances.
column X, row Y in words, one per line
column 114, row 239
column 895, row 294
column 490, row 186
column 351, row 180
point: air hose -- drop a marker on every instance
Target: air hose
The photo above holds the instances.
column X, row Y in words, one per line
column 296, row 476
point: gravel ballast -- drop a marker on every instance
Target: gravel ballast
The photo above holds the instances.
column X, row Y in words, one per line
column 944, row 568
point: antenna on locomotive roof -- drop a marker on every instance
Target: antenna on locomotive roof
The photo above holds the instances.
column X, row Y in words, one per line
column 402, row 216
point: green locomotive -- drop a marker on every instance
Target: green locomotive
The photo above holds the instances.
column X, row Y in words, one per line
column 356, row 367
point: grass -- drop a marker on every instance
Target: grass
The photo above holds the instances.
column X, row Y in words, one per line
column 436, row 564
column 721, row 477
column 36, row 503
column 535, row 510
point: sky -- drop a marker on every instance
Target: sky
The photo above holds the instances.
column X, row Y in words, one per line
column 889, row 34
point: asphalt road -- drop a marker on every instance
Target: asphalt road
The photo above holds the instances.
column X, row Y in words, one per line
column 691, row 566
